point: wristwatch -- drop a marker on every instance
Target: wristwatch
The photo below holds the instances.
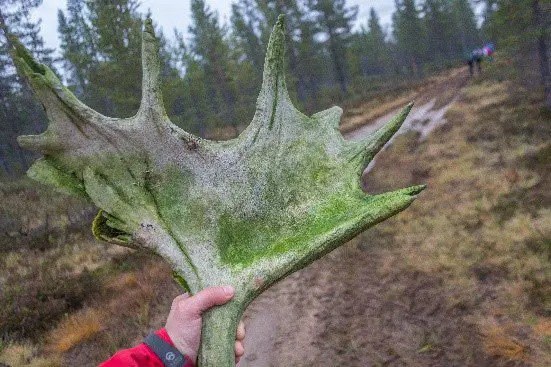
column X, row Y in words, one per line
column 169, row 355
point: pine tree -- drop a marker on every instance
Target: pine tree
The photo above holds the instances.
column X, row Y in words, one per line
column 440, row 30
column 252, row 22
column 117, row 25
column 211, row 52
column 78, row 45
column 466, row 27
column 312, row 64
column 335, row 20
column 100, row 39
column 246, row 23
column 374, row 26
column 410, row 35
column 451, row 29
column 19, row 112
column 490, row 7
column 379, row 59
column 522, row 28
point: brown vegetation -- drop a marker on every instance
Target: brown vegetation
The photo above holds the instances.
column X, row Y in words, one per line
column 75, row 329
column 460, row 278
column 497, row 343
column 25, row 355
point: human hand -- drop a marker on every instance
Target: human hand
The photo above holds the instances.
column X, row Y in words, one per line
column 183, row 324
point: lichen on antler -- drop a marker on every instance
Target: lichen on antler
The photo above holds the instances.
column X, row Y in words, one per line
column 244, row 212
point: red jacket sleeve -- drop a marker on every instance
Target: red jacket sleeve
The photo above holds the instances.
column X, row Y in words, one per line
column 141, row 356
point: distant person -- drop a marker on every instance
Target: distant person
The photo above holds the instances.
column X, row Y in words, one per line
column 475, row 60
column 489, row 50
column 177, row 344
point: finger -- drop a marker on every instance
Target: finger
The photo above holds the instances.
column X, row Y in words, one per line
column 240, row 335
column 179, row 299
column 208, row 298
column 239, row 349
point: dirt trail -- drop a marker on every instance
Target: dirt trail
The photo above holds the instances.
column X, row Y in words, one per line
column 431, row 104
column 289, row 323
column 422, row 118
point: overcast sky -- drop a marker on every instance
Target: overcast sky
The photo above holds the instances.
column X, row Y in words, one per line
column 171, row 14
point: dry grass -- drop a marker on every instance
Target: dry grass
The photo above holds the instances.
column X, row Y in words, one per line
column 40, row 287
column 484, row 223
column 75, row 329
column 498, row 344
column 543, row 327
column 466, row 183
column 131, row 304
column 124, row 282
column 33, row 216
column 24, row 355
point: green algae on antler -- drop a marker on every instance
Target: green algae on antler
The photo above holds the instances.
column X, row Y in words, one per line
column 245, row 212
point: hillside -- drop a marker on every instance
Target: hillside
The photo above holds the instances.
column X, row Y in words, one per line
column 463, row 277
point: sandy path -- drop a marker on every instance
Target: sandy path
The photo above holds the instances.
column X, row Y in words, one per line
column 423, row 119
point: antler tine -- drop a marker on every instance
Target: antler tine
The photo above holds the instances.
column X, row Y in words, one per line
column 365, row 150
column 273, row 100
column 152, row 98
column 274, row 66
column 65, row 111
column 45, row 83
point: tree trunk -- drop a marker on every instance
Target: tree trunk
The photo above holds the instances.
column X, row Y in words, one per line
column 3, row 26
column 415, row 67
column 22, row 157
column 5, row 165
column 542, row 52
column 339, row 70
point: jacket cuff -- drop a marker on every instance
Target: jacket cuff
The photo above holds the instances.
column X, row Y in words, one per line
column 164, row 335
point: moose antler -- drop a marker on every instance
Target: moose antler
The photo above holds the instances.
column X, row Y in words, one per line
column 245, row 212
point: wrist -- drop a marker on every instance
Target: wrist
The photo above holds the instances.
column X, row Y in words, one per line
column 181, row 346
column 169, row 352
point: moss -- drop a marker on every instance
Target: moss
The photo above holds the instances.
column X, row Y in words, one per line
column 149, row 27
column 21, row 52
column 180, row 280
column 171, row 189
column 245, row 241
column 276, row 47
column 49, row 172
column 274, row 106
column 104, row 232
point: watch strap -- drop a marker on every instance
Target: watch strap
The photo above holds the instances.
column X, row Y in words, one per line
column 169, row 355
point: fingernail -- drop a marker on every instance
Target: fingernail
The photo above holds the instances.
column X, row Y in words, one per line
column 228, row 290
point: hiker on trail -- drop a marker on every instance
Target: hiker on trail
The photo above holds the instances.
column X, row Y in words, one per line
column 177, row 344
column 476, row 60
column 489, row 50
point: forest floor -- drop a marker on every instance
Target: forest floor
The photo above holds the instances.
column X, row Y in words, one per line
column 461, row 278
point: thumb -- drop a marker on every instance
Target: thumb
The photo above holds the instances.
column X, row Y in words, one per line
column 208, row 298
